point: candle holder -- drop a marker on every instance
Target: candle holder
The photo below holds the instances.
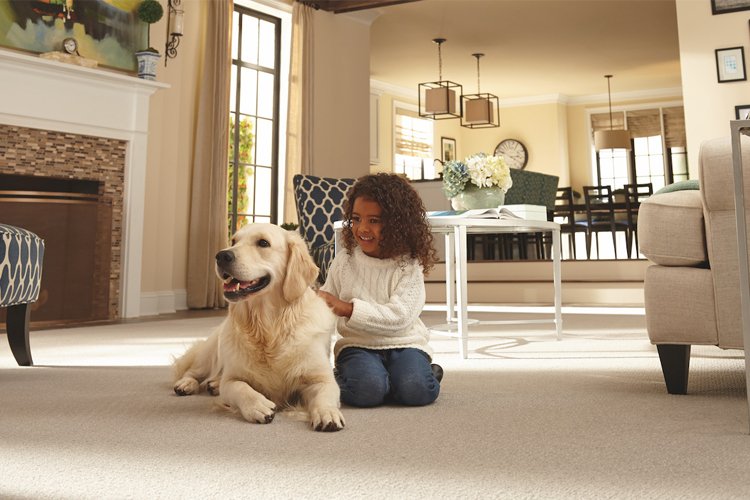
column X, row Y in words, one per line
column 175, row 26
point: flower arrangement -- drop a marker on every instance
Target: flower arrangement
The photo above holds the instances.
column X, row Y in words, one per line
column 479, row 170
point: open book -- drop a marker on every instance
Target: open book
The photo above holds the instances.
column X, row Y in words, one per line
column 477, row 213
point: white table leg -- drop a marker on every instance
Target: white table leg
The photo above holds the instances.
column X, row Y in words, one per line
column 556, row 276
column 461, row 290
column 450, row 278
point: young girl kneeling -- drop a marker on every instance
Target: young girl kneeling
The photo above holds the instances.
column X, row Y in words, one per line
column 376, row 287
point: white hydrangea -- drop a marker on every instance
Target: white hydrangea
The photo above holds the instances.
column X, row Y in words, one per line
column 487, row 171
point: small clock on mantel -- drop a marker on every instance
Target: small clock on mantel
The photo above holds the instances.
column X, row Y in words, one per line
column 70, row 46
column 514, row 152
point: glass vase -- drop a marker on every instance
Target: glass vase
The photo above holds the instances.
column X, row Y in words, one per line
column 475, row 197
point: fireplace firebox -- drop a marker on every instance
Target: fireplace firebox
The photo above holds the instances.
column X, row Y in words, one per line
column 76, row 225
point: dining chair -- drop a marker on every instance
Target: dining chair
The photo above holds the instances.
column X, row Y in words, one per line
column 564, row 214
column 634, row 195
column 600, row 217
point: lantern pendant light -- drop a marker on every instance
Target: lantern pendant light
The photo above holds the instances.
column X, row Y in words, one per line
column 480, row 110
column 437, row 100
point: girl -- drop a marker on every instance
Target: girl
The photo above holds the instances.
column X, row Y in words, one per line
column 376, row 287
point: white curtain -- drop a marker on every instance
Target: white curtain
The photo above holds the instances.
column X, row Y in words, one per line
column 208, row 207
column 299, row 119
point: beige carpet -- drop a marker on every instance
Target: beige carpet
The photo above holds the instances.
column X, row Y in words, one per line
column 525, row 417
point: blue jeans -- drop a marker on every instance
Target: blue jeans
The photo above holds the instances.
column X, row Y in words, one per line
column 370, row 377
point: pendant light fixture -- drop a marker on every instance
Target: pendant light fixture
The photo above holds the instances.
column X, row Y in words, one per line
column 437, row 100
column 480, row 110
column 611, row 139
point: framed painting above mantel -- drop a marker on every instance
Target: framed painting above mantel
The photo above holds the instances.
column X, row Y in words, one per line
column 107, row 31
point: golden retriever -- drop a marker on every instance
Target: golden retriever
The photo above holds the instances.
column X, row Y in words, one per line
column 272, row 351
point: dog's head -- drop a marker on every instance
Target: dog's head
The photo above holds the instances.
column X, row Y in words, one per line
column 263, row 259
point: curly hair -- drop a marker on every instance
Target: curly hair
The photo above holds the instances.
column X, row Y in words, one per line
column 405, row 228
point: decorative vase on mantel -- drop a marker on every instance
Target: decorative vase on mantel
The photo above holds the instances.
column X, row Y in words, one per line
column 473, row 197
column 147, row 62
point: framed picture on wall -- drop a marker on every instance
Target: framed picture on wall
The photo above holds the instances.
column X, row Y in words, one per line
column 725, row 6
column 107, row 32
column 742, row 112
column 730, row 64
column 447, row 149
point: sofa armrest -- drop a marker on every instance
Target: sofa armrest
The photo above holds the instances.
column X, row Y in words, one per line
column 671, row 231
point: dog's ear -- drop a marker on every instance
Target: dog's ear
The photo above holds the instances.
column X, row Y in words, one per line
column 301, row 271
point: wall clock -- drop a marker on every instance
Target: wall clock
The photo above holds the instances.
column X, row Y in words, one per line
column 514, row 152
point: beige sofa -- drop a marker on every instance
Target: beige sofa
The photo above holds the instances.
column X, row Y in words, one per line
column 692, row 289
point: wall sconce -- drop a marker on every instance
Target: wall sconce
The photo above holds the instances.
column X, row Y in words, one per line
column 175, row 26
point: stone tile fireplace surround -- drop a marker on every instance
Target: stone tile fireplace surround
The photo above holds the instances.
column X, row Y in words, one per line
column 100, row 111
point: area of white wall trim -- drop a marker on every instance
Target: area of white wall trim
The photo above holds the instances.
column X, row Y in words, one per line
column 164, row 302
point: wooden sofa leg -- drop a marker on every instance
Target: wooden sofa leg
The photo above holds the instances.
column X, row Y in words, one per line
column 675, row 364
column 18, row 333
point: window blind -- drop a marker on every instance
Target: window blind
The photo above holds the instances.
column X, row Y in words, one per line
column 674, row 127
column 644, row 123
column 413, row 135
column 600, row 121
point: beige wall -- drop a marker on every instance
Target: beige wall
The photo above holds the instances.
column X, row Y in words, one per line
column 709, row 105
column 341, row 107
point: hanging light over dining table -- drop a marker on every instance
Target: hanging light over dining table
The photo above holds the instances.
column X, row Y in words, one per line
column 481, row 110
column 611, row 139
column 439, row 99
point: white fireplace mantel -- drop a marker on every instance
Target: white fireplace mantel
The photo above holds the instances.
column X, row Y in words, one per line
column 49, row 95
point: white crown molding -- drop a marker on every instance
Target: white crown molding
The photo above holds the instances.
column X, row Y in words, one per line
column 272, row 4
column 673, row 92
column 380, row 87
column 366, row 17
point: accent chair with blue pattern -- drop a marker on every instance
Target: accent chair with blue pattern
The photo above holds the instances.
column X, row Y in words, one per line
column 21, row 257
column 320, row 202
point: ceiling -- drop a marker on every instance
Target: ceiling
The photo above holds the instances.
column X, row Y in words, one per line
column 532, row 47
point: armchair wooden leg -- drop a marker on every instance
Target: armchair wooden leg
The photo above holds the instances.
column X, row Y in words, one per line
column 17, row 324
column 675, row 364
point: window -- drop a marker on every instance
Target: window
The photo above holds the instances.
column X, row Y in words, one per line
column 658, row 148
column 413, row 154
column 253, row 174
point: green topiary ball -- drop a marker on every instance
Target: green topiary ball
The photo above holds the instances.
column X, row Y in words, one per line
column 150, row 11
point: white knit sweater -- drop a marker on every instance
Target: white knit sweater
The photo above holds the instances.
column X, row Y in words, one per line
column 388, row 297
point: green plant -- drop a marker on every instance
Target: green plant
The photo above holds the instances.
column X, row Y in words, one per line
column 289, row 226
column 244, row 171
column 150, row 11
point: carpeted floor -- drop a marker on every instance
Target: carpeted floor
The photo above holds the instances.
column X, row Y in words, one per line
column 525, row 416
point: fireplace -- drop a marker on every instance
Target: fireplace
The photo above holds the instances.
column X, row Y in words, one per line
column 83, row 132
column 75, row 221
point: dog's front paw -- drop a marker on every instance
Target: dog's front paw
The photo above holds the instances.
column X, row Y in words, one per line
column 260, row 411
column 212, row 386
column 186, row 386
column 327, row 419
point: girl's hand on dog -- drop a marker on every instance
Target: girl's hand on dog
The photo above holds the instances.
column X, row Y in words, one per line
column 338, row 306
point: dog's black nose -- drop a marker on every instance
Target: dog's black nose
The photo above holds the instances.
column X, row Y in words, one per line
column 224, row 257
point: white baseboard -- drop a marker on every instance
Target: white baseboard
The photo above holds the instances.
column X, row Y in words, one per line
column 163, row 302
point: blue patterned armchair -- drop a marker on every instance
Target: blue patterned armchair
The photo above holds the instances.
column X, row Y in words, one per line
column 21, row 256
column 320, row 202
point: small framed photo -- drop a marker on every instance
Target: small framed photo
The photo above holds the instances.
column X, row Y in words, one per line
column 730, row 64
column 742, row 112
column 726, row 6
column 447, row 149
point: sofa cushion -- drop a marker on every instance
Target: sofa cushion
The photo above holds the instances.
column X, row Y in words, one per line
column 671, row 230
